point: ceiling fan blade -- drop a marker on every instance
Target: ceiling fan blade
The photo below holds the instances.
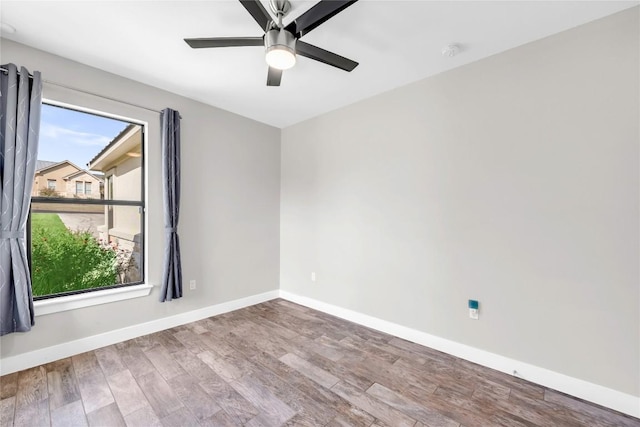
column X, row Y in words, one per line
column 330, row 58
column 224, row 42
column 259, row 13
column 321, row 12
column 274, row 76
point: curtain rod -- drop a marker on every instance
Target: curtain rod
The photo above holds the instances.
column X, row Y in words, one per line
column 4, row 70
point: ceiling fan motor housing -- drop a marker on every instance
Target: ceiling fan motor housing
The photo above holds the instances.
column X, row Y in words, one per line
column 280, row 39
column 280, row 47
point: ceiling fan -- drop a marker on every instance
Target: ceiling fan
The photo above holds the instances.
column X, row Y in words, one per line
column 282, row 44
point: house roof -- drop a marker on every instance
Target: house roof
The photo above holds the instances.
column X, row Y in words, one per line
column 42, row 165
column 54, row 164
column 46, row 164
column 112, row 143
column 81, row 172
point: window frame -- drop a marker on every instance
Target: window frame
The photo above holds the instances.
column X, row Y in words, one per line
column 46, row 304
column 52, row 187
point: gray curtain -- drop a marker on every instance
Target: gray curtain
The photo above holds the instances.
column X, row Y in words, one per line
column 172, row 277
column 19, row 128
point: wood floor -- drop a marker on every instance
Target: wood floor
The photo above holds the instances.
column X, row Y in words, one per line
column 276, row 364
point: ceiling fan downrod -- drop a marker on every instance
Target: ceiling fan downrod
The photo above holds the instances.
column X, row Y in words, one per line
column 279, row 8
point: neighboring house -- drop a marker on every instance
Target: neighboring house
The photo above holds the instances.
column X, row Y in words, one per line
column 120, row 162
column 65, row 179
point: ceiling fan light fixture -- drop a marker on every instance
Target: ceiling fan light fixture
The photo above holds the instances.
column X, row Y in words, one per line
column 281, row 58
column 280, row 46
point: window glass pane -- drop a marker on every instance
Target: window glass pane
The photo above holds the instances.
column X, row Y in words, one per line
column 78, row 243
column 125, row 181
column 121, row 161
column 122, row 231
column 77, row 149
column 76, row 247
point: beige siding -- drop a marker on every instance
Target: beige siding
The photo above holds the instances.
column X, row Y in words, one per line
column 84, row 179
column 65, row 187
column 123, row 175
column 56, row 173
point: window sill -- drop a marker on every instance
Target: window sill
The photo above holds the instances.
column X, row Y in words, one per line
column 72, row 302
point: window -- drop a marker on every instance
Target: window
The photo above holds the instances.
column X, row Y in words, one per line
column 79, row 241
column 51, row 184
column 109, row 186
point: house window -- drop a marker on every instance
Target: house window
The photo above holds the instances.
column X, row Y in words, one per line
column 109, row 186
column 51, row 184
column 80, row 244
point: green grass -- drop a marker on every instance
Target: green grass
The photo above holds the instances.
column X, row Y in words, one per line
column 64, row 261
column 49, row 221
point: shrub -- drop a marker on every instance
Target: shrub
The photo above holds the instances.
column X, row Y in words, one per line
column 48, row 192
column 64, row 261
column 124, row 263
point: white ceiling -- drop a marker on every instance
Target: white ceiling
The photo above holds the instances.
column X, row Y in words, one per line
column 395, row 42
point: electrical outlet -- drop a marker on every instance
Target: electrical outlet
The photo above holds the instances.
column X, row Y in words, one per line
column 474, row 307
column 192, row 285
column 313, row 276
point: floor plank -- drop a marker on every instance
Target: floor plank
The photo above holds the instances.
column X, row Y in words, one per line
column 236, row 407
column 62, row 383
column 318, row 375
column 222, row 419
column 35, row 413
column 32, row 387
column 373, row 406
column 7, row 410
column 193, row 397
column 180, row 418
column 93, row 386
column 126, row 392
column 159, row 394
column 281, row 364
column 413, row 409
column 352, row 416
column 164, row 363
column 106, row 416
column 145, row 417
column 134, row 358
column 8, row 385
column 109, row 360
column 71, row 414
column 272, row 410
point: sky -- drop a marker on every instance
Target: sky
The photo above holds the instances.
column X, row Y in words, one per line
column 73, row 135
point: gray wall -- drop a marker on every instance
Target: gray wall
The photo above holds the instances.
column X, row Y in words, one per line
column 512, row 180
column 229, row 219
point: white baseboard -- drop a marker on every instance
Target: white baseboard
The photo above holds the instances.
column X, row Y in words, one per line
column 613, row 399
column 60, row 351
